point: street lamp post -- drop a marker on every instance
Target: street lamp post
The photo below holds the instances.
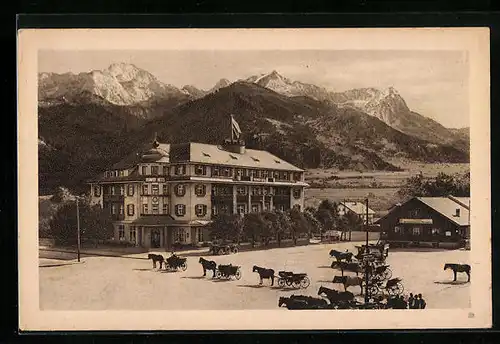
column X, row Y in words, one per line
column 78, row 229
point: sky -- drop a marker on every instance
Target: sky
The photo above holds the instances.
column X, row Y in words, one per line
column 433, row 83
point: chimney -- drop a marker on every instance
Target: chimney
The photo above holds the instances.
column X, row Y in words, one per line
column 457, row 212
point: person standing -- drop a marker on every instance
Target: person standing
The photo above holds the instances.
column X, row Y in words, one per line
column 411, row 300
column 422, row 302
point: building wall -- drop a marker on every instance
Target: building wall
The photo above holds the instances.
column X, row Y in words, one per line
column 440, row 223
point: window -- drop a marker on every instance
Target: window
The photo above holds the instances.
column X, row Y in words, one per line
column 227, row 172
column 145, row 189
column 145, row 209
column 180, row 190
column 165, row 208
column 253, row 173
column 113, row 209
column 239, row 172
column 199, row 235
column 297, row 207
column 415, row 213
column 133, row 234
column 241, row 208
column 297, row 176
column 200, row 190
column 200, row 209
column 434, row 231
column 215, row 171
column 155, row 208
column 121, row 173
column 241, row 190
column 180, row 209
column 121, row 232
column 180, row 170
column 130, row 210
column 255, row 208
column 130, row 190
column 200, row 170
column 256, row 190
column 181, row 235
column 296, row 193
column 265, row 174
column 165, row 170
column 285, row 175
column 416, row 231
column 112, row 189
column 155, row 189
column 281, row 207
column 144, row 170
column 122, row 190
column 165, row 189
column 121, row 209
column 154, row 170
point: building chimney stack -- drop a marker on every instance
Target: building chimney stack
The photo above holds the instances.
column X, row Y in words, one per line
column 457, row 212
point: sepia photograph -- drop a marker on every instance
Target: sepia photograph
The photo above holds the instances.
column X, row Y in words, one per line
column 254, row 179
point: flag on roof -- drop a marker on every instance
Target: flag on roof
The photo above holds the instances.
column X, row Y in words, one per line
column 236, row 131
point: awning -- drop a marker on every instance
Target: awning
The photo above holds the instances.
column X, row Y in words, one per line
column 416, row 221
column 200, row 222
column 155, row 220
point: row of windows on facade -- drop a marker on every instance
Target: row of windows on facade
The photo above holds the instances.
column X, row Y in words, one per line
column 178, row 234
column 216, row 171
column 200, row 209
column 418, row 231
column 200, row 190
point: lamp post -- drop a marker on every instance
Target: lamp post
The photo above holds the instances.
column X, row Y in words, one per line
column 78, row 229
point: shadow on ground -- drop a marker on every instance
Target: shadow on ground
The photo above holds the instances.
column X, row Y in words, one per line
column 451, row 282
column 195, row 277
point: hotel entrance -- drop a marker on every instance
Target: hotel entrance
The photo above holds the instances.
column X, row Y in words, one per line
column 155, row 238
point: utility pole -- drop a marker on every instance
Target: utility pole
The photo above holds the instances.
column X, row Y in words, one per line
column 78, row 229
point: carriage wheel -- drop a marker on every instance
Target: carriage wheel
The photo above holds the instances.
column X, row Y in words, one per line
column 397, row 289
column 220, row 252
column 305, row 282
column 373, row 290
column 237, row 274
column 281, row 282
column 387, row 274
column 235, row 250
column 296, row 284
column 288, row 282
column 184, row 266
column 218, row 274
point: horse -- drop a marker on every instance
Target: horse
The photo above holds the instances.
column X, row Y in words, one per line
column 208, row 265
column 156, row 258
column 335, row 296
column 349, row 281
column 344, row 266
column 301, row 301
column 347, row 256
column 458, row 268
column 264, row 274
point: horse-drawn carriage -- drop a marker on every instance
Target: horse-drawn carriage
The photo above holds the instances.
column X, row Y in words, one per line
column 227, row 271
column 393, row 287
column 289, row 278
column 221, row 248
column 380, row 251
column 175, row 262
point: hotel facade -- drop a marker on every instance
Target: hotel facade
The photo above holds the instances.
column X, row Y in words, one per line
column 171, row 192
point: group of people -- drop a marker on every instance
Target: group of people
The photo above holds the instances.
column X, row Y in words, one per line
column 399, row 302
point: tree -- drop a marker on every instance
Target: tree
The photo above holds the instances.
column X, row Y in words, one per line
column 327, row 214
column 299, row 224
column 254, row 226
column 226, row 227
column 350, row 222
column 440, row 186
column 314, row 224
column 95, row 223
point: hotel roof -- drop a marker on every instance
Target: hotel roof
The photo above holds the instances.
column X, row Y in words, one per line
column 203, row 153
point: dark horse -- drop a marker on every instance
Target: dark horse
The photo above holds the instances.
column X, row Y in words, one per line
column 335, row 295
column 264, row 273
column 301, row 301
column 347, row 256
column 156, row 258
column 208, row 265
column 348, row 281
column 345, row 266
column 458, row 268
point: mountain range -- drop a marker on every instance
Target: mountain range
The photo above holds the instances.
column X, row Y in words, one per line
column 88, row 121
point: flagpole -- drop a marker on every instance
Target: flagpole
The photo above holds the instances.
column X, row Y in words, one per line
column 232, row 130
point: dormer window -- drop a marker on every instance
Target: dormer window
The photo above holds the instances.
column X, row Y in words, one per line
column 277, row 161
column 255, row 159
column 206, row 154
column 233, row 157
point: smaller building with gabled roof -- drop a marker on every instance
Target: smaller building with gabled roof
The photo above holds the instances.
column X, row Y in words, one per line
column 357, row 208
column 436, row 221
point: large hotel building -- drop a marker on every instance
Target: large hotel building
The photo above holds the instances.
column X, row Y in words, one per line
column 171, row 192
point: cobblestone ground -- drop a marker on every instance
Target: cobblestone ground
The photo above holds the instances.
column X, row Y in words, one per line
column 132, row 284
